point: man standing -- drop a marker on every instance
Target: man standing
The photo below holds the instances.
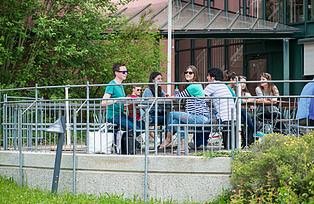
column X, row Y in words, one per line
column 222, row 101
column 115, row 108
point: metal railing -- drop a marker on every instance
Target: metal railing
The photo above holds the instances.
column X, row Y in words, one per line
column 90, row 130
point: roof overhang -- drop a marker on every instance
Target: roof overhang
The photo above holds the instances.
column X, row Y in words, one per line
column 195, row 21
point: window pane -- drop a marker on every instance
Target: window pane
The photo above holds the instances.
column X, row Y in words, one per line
column 274, row 10
column 201, row 63
column 311, row 10
column 233, row 6
column 295, row 11
column 217, row 54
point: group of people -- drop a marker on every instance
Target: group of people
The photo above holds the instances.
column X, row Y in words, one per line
column 197, row 110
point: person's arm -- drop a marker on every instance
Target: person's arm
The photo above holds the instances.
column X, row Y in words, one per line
column 147, row 93
column 259, row 92
column 276, row 93
column 208, row 90
column 107, row 95
column 247, row 100
column 105, row 100
column 183, row 93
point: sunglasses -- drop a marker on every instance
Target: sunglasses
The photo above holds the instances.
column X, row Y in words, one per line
column 138, row 89
column 190, row 73
column 123, row 72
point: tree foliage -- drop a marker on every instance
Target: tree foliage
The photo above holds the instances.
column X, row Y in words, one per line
column 55, row 42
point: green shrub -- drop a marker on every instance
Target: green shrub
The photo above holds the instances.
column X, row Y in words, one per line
column 279, row 169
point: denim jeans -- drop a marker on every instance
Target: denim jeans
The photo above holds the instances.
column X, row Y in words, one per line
column 125, row 123
column 184, row 118
column 249, row 126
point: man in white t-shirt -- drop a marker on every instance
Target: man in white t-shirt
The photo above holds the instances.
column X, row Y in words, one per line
column 222, row 100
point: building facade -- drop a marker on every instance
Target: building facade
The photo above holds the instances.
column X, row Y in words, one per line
column 245, row 36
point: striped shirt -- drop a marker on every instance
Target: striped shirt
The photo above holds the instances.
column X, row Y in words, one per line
column 221, row 104
column 195, row 105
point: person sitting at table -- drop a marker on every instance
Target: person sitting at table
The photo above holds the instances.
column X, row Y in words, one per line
column 244, row 90
column 304, row 109
column 196, row 109
column 267, row 88
column 149, row 92
column 267, row 108
column 246, row 118
column 136, row 92
column 115, row 108
column 222, row 101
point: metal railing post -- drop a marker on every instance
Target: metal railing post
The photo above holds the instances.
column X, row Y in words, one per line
column 67, row 115
column 232, row 129
column 36, row 117
column 87, row 110
column 146, row 156
column 5, row 120
column 74, row 152
column 238, row 116
column 147, row 150
column 19, row 129
column 15, row 128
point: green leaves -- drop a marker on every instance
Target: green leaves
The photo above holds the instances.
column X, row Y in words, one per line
column 73, row 40
column 279, row 169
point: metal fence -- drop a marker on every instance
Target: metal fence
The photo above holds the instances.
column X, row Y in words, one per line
column 24, row 121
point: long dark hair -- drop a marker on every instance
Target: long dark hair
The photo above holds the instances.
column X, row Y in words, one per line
column 271, row 85
column 152, row 77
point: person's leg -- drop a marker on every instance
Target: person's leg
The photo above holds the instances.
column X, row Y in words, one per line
column 201, row 136
column 127, row 124
column 170, row 130
column 186, row 118
column 247, row 137
column 173, row 118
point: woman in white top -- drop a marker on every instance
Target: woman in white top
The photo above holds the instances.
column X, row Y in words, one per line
column 266, row 89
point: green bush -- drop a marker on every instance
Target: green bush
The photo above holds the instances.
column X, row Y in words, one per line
column 279, row 169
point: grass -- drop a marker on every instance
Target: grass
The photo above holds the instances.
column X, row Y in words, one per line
column 10, row 192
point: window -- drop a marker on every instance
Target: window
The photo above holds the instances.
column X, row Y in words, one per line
column 310, row 10
column 274, row 10
column 295, row 11
column 308, row 59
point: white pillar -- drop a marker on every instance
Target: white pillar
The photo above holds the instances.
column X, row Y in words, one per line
column 286, row 65
column 169, row 46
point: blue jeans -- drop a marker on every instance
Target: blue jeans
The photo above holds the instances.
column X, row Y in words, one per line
column 184, row 118
column 160, row 119
column 125, row 123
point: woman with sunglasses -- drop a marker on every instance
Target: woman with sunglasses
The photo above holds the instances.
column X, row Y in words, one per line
column 196, row 109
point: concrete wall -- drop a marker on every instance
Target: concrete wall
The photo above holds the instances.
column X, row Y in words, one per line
column 171, row 177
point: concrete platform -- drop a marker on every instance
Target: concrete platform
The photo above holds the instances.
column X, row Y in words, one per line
column 169, row 177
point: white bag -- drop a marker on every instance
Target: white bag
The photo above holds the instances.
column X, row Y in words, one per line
column 100, row 141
